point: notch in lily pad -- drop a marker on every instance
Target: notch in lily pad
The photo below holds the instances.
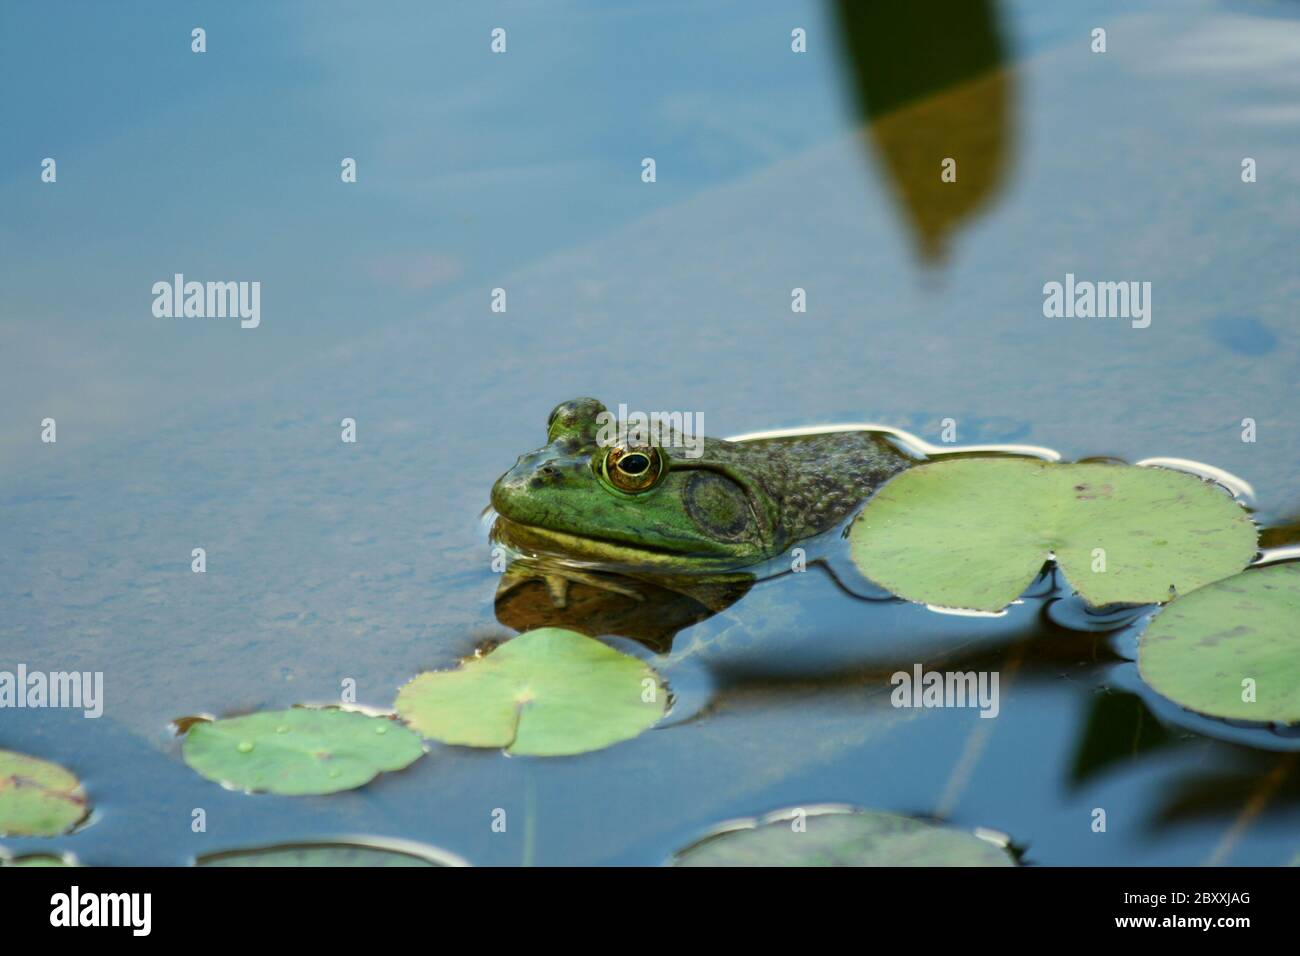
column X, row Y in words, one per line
column 973, row 533
column 548, row 692
column 304, row 750
column 1231, row 649
column 37, row 797
column 844, row 836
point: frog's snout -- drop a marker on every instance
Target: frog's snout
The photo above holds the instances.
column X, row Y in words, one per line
column 531, row 473
column 505, row 490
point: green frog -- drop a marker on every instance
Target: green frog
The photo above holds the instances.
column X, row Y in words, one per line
column 637, row 506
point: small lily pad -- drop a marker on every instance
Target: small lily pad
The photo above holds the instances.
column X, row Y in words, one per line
column 335, row 854
column 1203, row 648
column 547, row 692
column 37, row 860
column 38, row 798
column 973, row 533
column 843, row 837
column 299, row 751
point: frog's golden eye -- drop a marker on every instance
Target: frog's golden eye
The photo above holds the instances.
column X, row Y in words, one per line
column 633, row 469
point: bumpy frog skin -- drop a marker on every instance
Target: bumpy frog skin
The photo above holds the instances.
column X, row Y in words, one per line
column 737, row 504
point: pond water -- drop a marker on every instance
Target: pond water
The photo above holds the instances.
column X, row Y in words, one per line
column 370, row 562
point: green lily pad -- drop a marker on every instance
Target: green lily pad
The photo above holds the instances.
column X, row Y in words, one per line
column 334, row 854
column 973, row 533
column 1200, row 649
column 299, row 751
column 38, row 798
column 547, row 692
column 843, row 837
column 37, row 860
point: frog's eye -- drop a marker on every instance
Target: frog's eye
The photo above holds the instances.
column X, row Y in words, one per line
column 633, row 469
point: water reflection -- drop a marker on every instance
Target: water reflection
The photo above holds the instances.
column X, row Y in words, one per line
column 1282, row 533
column 931, row 83
column 543, row 592
column 1259, row 783
column 1117, row 728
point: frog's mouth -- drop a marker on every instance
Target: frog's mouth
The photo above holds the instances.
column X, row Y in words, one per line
column 600, row 552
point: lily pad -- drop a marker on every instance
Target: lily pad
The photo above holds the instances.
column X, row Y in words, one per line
column 548, row 692
column 299, row 751
column 1200, row 649
column 335, row 854
column 843, row 837
column 37, row 860
column 38, row 798
column 973, row 533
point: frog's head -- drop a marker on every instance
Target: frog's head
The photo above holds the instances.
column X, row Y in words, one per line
column 585, row 495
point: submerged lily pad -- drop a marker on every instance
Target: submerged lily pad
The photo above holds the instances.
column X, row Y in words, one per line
column 335, row 854
column 38, row 798
column 843, row 837
column 548, row 692
column 299, row 751
column 1200, row 649
column 973, row 533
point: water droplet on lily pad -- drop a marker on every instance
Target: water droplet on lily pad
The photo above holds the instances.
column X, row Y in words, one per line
column 547, row 692
column 973, row 533
column 843, row 836
column 300, row 751
column 1230, row 649
column 38, row 798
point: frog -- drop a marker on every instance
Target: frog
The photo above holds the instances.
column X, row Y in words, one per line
column 713, row 507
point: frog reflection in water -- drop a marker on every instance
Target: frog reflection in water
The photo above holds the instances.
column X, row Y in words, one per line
column 668, row 538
